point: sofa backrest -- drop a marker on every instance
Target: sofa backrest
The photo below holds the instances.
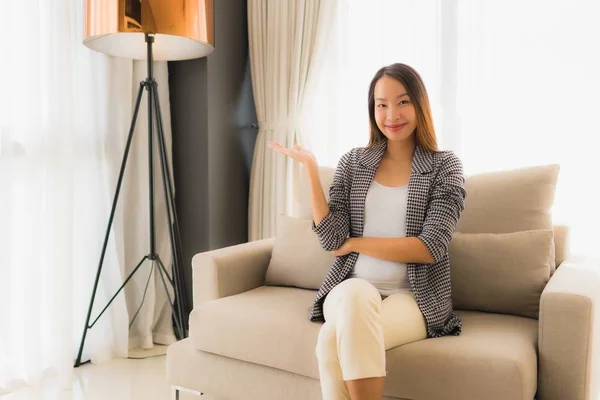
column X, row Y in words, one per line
column 508, row 201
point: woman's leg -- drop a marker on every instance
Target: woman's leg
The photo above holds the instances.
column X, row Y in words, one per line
column 333, row 386
column 402, row 320
column 402, row 323
column 353, row 336
column 366, row 389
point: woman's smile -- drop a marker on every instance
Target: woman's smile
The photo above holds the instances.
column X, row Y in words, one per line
column 395, row 127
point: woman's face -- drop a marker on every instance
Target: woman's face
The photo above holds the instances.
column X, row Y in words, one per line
column 394, row 111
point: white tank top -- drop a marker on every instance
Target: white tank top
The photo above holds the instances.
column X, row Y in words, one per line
column 385, row 217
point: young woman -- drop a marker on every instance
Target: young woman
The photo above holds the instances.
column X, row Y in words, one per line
column 392, row 210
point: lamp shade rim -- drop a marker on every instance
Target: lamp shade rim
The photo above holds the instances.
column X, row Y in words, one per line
column 132, row 45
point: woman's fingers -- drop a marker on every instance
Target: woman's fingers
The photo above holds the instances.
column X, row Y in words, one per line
column 277, row 145
column 274, row 145
column 279, row 148
column 297, row 152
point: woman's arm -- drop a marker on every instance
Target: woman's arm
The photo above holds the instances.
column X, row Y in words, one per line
column 333, row 228
column 306, row 158
column 446, row 204
column 331, row 221
column 318, row 201
column 401, row 249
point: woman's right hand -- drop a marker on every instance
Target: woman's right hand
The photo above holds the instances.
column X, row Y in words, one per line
column 297, row 153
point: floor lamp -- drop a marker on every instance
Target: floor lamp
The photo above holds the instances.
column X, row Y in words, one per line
column 152, row 30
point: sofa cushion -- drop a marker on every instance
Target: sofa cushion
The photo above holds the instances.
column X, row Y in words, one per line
column 298, row 259
column 268, row 325
column 509, row 201
column 493, row 358
column 504, row 273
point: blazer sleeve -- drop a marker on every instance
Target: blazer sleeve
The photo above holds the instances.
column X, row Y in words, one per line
column 446, row 204
column 333, row 230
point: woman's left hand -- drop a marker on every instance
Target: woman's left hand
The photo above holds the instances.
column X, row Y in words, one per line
column 345, row 248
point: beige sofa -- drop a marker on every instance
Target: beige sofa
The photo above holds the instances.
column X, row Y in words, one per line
column 250, row 341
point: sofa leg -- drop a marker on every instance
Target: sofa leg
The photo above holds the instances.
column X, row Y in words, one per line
column 175, row 390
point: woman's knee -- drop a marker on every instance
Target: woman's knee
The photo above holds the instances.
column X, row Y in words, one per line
column 355, row 290
column 353, row 295
column 326, row 349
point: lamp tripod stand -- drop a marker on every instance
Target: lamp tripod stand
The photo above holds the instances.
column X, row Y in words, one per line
column 177, row 281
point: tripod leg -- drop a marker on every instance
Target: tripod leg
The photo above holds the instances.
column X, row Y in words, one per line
column 178, row 322
column 182, row 304
column 144, row 296
column 151, row 168
column 119, row 291
column 171, row 281
column 110, row 221
column 173, row 223
column 154, row 97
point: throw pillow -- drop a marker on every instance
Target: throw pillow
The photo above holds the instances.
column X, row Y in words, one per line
column 504, row 273
column 298, row 259
column 509, row 201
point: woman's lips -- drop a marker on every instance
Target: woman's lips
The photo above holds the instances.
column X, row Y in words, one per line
column 396, row 127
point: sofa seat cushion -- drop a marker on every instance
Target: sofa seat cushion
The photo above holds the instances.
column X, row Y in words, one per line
column 493, row 358
column 268, row 325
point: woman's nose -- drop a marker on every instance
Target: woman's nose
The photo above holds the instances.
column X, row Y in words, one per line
column 393, row 115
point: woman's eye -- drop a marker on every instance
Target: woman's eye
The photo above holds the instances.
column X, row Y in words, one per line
column 404, row 102
column 381, row 105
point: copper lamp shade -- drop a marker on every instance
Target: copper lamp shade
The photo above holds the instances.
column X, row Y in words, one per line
column 183, row 29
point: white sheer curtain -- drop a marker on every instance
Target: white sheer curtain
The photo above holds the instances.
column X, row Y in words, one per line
column 511, row 83
column 285, row 41
column 64, row 117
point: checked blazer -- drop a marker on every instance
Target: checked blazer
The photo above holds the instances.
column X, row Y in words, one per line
column 436, row 198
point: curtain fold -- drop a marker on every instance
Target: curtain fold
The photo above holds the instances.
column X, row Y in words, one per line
column 285, row 48
column 64, row 117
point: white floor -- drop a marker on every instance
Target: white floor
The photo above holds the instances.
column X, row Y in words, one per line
column 120, row 379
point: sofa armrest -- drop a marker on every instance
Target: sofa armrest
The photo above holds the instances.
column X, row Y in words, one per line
column 569, row 333
column 230, row 270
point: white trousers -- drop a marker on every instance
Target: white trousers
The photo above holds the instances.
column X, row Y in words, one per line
column 359, row 328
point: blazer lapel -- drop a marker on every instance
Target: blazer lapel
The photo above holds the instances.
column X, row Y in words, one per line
column 418, row 190
column 368, row 164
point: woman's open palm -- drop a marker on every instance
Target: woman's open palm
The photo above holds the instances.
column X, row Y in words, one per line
column 297, row 152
